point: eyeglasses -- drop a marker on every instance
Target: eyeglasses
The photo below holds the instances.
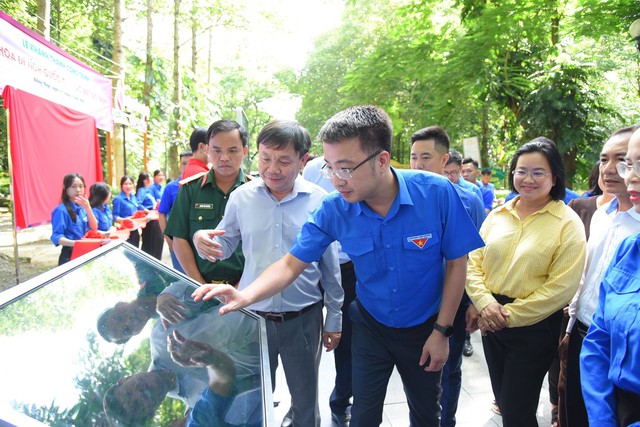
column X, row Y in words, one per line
column 345, row 173
column 624, row 168
column 535, row 175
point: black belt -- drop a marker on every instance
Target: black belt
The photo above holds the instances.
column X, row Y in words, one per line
column 285, row 315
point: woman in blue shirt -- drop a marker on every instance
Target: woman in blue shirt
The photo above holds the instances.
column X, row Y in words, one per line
column 125, row 205
column 152, row 237
column 99, row 197
column 72, row 218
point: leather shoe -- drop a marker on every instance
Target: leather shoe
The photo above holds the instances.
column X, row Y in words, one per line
column 338, row 420
column 467, row 350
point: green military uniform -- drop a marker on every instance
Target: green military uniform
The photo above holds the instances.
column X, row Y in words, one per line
column 200, row 205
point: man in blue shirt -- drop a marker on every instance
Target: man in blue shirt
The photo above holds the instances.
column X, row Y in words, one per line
column 487, row 189
column 400, row 229
column 430, row 152
column 166, row 203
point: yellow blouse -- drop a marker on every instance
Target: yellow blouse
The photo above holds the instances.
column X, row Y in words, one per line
column 537, row 261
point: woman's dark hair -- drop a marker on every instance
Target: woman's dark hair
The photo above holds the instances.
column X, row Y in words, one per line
column 141, row 179
column 67, row 182
column 548, row 149
column 594, row 175
column 124, row 179
column 98, row 193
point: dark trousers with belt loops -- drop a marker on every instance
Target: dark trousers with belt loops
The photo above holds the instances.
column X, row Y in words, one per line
column 376, row 349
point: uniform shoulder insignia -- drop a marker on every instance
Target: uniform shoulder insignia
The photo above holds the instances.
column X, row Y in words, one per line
column 192, row 178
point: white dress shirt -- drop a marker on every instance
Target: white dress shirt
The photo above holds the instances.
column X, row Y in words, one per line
column 608, row 228
column 267, row 228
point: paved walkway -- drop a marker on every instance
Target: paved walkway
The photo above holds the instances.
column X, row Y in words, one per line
column 473, row 409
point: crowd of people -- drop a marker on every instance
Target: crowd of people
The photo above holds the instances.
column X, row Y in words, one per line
column 405, row 265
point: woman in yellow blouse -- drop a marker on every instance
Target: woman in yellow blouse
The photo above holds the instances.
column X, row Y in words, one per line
column 520, row 281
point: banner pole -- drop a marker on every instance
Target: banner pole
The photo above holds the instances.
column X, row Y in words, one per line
column 12, row 204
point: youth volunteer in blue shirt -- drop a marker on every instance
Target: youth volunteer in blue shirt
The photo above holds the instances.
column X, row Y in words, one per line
column 398, row 227
column 99, row 197
column 125, row 204
column 157, row 188
column 72, row 218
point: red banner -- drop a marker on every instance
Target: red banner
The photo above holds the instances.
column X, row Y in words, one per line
column 48, row 141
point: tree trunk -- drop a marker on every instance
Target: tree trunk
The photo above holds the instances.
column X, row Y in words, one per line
column 195, row 26
column 44, row 18
column 118, row 71
column 175, row 130
column 148, row 71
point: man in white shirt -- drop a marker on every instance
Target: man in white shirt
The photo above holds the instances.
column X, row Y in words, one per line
column 610, row 224
column 265, row 215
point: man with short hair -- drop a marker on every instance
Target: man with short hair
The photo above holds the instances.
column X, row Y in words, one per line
column 400, row 228
column 469, row 170
column 279, row 204
column 430, row 152
column 487, row 189
column 166, row 203
column 453, row 171
column 202, row 199
column 199, row 162
column 610, row 224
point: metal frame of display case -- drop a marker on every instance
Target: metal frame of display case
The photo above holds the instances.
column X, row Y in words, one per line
column 10, row 416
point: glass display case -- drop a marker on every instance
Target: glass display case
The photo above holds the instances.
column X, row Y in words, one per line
column 114, row 338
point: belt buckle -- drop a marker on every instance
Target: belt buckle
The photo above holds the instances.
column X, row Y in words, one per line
column 275, row 317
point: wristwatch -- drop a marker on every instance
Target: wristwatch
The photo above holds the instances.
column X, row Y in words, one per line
column 447, row 331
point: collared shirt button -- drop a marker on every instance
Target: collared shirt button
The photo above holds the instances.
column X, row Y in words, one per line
column 395, row 290
column 388, row 245
column 395, row 309
column 199, row 218
column 391, row 268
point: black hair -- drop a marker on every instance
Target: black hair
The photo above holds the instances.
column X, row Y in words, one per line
column 226, row 126
column 198, row 136
column 470, row 160
column 437, row 134
column 124, row 179
column 280, row 133
column 67, row 182
column 186, row 153
column 486, row 171
column 548, row 149
column 141, row 179
column 594, row 176
column 454, row 157
column 157, row 172
column 98, row 193
column 371, row 125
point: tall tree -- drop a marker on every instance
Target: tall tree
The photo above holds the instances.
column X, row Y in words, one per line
column 44, row 16
column 118, row 69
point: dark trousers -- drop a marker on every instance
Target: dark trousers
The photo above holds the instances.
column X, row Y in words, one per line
column 153, row 239
column 376, row 349
column 452, row 370
column 342, row 391
column 518, row 359
column 575, row 410
column 65, row 254
column 134, row 238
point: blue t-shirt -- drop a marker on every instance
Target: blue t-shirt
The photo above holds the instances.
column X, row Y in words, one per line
column 470, row 187
column 145, row 197
column 156, row 191
column 610, row 354
column 399, row 258
column 169, row 197
column 63, row 226
column 124, row 207
column 488, row 194
column 104, row 216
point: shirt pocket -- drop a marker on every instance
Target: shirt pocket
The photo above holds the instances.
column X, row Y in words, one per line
column 200, row 219
column 420, row 250
column 361, row 252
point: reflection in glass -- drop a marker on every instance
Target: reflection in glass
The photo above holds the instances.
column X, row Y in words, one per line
column 118, row 340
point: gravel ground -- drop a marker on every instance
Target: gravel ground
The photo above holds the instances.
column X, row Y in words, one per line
column 36, row 253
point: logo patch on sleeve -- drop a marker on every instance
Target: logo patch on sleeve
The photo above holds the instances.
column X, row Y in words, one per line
column 420, row 240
